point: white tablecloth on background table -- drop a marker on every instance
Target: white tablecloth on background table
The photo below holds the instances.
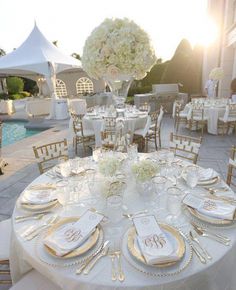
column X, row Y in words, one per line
column 217, row 274
column 7, row 107
column 96, row 125
column 212, row 113
column 78, row 106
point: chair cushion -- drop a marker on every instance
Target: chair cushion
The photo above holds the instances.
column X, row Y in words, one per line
column 139, row 132
column 183, row 114
column 33, row 280
column 87, row 133
column 5, row 230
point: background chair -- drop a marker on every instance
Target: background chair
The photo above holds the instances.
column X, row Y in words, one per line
column 185, row 147
column 231, row 174
column 5, row 230
column 198, row 118
column 228, row 121
column 47, row 155
column 179, row 115
column 86, row 137
column 33, row 280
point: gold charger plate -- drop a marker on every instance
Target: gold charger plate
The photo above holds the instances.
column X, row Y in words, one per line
column 138, row 255
column 87, row 245
column 38, row 207
column 210, row 219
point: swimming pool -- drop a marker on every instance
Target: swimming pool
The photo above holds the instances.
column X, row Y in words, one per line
column 14, row 131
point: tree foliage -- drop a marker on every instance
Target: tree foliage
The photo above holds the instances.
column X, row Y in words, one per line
column 185, row 68
column 14, row 85
column 76, row 55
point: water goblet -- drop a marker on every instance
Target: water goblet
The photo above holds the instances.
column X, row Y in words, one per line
column 132, row 151
column 192, row 176
column 174, row 199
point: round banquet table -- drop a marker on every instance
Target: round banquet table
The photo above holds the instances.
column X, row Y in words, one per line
column 217, row 274
column 95, row 123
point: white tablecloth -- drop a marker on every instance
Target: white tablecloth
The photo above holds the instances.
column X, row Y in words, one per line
column 7, row 107
column 217, row 274
column 96, row 125
column 38, row 107
column 212, row 113
column 78, row 106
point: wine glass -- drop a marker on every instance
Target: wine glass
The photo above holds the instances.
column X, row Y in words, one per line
column 132, row 151
column 192, row 176
column 174, row 199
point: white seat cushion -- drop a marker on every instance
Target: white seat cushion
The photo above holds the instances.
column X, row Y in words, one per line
column 87, row 133
column 183, row 114
column 196, row 118
column 139, row 132
column 5, row 230
column 230, row 119
column 33, row 280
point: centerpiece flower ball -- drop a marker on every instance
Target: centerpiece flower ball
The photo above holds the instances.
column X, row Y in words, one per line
column 118, row 47
column 144, row 170
column 216, row 74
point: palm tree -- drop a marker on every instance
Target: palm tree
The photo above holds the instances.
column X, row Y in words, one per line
column 2, row 52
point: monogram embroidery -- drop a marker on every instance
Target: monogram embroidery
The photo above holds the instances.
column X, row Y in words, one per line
column 73, row 235
column 209, row 205
column 155, row 241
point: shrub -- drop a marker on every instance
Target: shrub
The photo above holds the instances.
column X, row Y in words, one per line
column 140, row 90
column 25, row 94
column 3, row 96
column 14, row 85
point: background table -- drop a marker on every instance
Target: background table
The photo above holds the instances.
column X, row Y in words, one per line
column 7, row 107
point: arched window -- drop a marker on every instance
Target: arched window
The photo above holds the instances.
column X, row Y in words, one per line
column 84, row 85
column 60, row 88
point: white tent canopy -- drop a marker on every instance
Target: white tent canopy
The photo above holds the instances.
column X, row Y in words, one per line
column 37, row 57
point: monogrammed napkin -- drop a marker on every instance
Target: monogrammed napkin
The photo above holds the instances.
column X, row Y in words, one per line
column 211, row 207
column 153, row 242
column 70, row 236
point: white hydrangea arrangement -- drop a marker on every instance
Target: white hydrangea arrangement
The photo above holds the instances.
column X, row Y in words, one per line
column 144, row 170
column 118, row 47
column 216, row 74
column 108, row 166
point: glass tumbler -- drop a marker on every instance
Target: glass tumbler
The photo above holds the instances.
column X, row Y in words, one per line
column 174, row 200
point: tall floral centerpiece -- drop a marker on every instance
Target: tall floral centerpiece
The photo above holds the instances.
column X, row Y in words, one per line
column 118, row 51
column 215, row 75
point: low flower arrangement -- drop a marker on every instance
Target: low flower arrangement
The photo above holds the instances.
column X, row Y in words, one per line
column 216, row 74
column 144, row 170
column 118, row 47
column 108, row 166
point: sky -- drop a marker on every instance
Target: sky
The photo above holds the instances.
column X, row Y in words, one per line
column 70, row 22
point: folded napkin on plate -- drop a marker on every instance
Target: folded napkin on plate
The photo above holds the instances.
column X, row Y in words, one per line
column 38, row 197
column 207, row 206
column 153, row 242
column 72, row 235
column 206, row 174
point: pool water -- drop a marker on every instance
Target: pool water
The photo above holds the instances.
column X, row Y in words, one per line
column 14, row 131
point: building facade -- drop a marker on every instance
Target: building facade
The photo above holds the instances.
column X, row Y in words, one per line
column 222, row 52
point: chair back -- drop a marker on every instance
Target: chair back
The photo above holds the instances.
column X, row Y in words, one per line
column 160, row 117
column 230, row 113
column 231, row 174
column 77, row 123
column 154, row 118
column 185, row 147
column 47, row 155
column 109, row 123
column 197, row 112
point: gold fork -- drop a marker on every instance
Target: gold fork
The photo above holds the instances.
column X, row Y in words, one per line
column 113, row 267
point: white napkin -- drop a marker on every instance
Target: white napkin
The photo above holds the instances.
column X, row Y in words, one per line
column 153, row 242
column 211, row 207
column 72, row 235
column 38, row 197
column 206, row 174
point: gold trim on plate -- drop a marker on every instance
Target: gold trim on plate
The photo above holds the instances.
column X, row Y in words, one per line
column 138, row 255
column 210, row 219
column 87, row 245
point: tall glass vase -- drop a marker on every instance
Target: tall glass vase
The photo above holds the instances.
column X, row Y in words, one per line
column 119, row 86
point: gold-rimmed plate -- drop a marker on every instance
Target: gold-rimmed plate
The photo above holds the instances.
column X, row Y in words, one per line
column 210, row 181
column 209, row 219
column 172, row 234
column 86, row 245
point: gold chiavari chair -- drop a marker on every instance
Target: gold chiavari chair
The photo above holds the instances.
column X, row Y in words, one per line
column 82, row 136
column 5, row 230
column 198, row 117
column 47, row 155
column 180, row 116
column 109, row 123
column 231, row 174
column 228, row 121
column 185, row 147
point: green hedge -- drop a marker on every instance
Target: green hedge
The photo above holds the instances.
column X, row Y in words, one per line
column 140, row 90
column 15, row 85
